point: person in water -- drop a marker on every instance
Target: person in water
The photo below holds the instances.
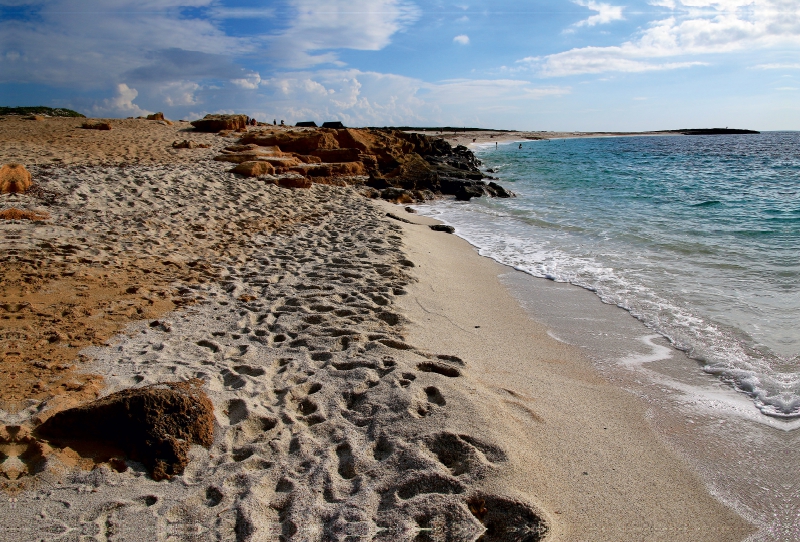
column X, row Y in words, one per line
column 520, row 145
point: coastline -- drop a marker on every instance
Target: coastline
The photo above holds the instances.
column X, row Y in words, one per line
column 586, row 450
column 352, row 390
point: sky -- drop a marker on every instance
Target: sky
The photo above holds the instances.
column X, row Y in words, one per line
column 508, row 64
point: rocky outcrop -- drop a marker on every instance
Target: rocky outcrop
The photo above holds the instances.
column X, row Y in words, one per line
column 217, row 123
column 153, row 425
column 14, row 179
column 403, row 167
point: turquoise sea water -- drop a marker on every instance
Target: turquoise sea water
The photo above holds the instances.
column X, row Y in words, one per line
column 696, row 236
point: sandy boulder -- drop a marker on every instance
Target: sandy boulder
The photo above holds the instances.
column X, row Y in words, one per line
column 154, row 425
column 217, row 123
column 14, row 179
column 96, row 126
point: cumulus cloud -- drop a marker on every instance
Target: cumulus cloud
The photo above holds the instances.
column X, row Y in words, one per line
column 462, row 39
column 695, row 28
column 361, row 98
column 121, row 104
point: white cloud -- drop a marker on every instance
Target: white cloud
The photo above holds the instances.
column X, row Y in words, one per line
column 121, row 105
column 365, row 25
column 778, row 66
column 606, row 13
column 696, row 27
column 179, row 93
column 251, row 81
column 360, row 98
column 462, row 39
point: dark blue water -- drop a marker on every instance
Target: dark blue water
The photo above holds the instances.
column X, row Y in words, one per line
column 697, row 236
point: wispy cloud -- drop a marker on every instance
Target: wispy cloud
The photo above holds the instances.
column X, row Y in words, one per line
column 462, row 39
column 606, row 13
column 695, row 28
column 318, row 29
column 778, row 66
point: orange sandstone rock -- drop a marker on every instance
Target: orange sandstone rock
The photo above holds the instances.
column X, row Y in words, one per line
column 254, row 169
column 19, row 214
column 14, row 179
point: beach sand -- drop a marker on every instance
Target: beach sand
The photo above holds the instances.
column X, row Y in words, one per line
column 371, row 378
column 474, row 138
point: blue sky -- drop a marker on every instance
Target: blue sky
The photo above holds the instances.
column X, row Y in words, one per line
column 518, row 64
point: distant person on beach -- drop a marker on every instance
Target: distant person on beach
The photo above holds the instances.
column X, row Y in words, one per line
column 274, row 122
column 520, row 145
column 281, row 122
column 495, row 144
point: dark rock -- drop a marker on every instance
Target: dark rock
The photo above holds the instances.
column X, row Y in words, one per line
column 443, row 227
column 468, row 191
column 154, row 425
column 498, row 191
column 217, row 123
column 96, row 126
column 334, row 124
column 306, row 124
column 398, row 218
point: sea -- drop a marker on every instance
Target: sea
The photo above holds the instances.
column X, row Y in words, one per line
column 698, row 237
column 673, row 262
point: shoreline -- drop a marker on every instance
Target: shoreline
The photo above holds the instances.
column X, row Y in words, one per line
column 352, row 388
column 631, row 464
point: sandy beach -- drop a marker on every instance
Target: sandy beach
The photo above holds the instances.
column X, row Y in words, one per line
column 370, row 378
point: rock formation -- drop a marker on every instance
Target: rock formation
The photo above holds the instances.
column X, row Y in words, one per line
column 403, row 167
column 14, row 179
column 217, row 123
column 154, row 425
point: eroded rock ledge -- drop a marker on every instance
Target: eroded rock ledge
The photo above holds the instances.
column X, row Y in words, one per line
column 394, row 165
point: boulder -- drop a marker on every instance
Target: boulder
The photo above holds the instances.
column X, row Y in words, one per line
column 156, row 116
column 96, row 126
column 254, row 169
column 217, row 123
column 465, row 192
column 443, row 227
column 153, row 425
column 14, row 179
column 498, row 191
